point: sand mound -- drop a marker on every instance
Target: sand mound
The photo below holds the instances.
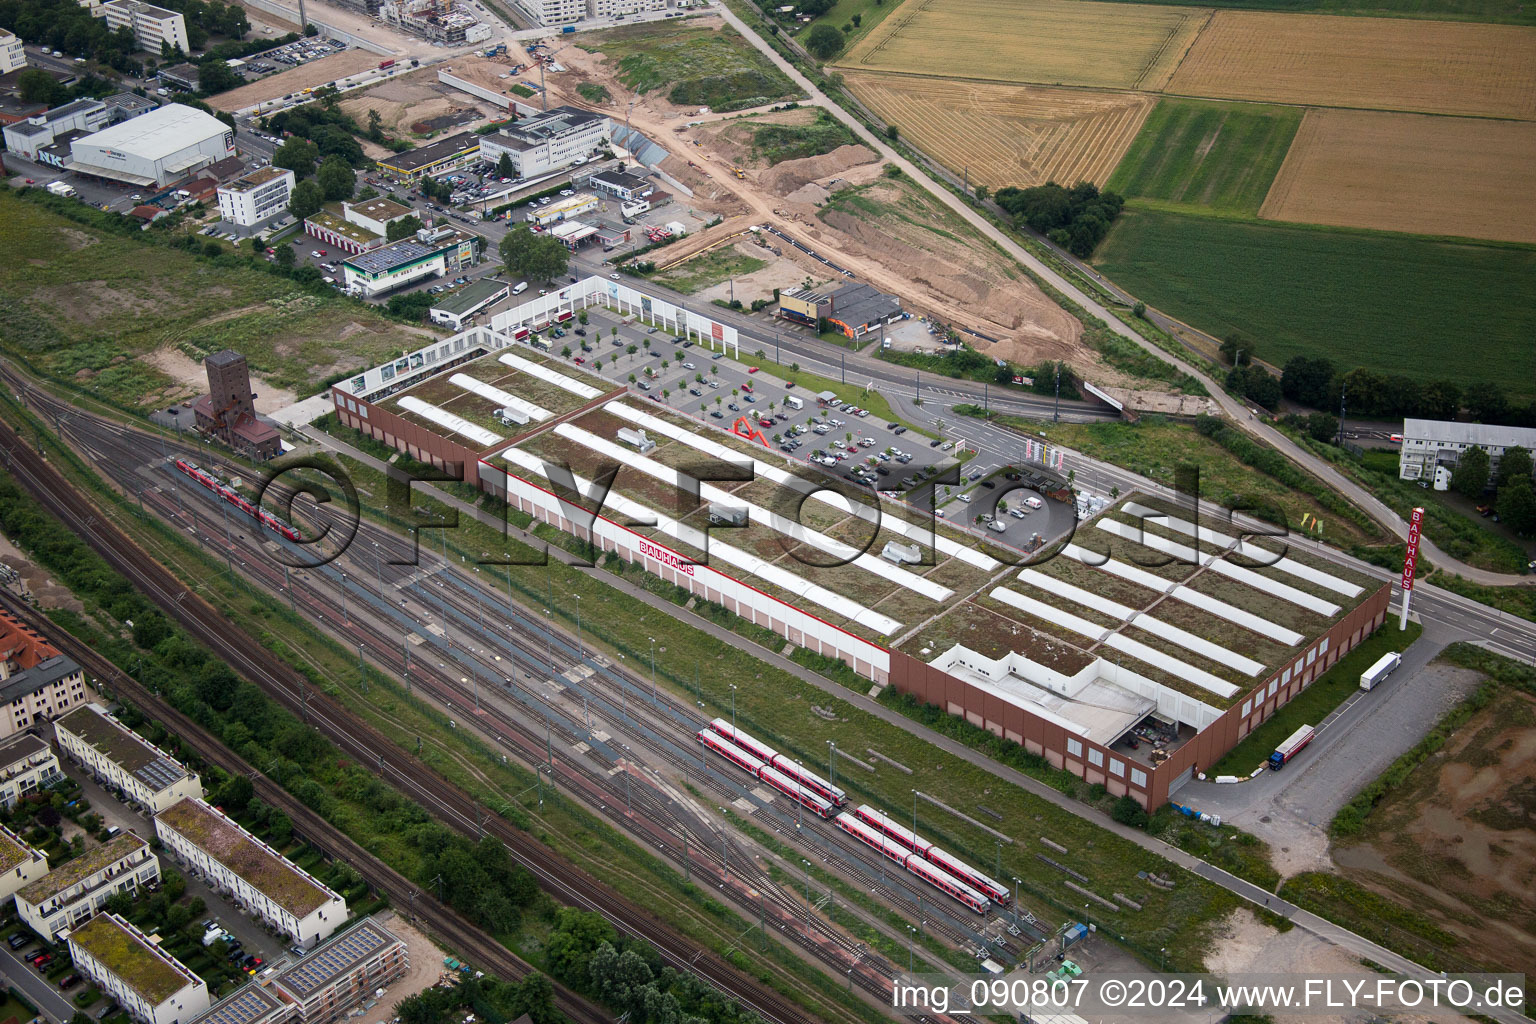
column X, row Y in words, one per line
column 784, row 178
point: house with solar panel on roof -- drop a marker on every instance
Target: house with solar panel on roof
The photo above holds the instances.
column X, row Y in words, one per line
column 431, row 252
column 122, row 760
column 285, row 896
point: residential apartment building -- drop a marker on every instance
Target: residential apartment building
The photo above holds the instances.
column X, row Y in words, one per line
column 153, row 986
column 255, row 1002
column 20, row 864
column 26, row 138
column 13, row 57
column 76, row 890
column 150, row 25
column 623, row 8
column 1433, row 448
column 344, row 971
column 236, row 862
column 37, row 683
column 27, row 764
column 547, row 142
column 253, row 199
column 122, row 760
column 553, row 12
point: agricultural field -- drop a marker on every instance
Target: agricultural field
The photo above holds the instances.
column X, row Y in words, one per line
column 1511, row 12
column 75, row 304
column 700, row 67
column 1377, row 63
column 1389, row 301
column 1042, row 42
column 1219, row 156
column 1007, row 134
column 1468, row 177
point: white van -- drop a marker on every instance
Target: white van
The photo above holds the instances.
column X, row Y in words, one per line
column 794, row 403
column 1033, row 502
column 997, row 525
column 520, row 287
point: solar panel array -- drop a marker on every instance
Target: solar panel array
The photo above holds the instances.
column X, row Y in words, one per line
column 246, row 1006
column 334, row 958
column 161, row 773
column 388, row 258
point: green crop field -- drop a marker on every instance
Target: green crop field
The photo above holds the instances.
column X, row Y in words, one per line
column 1395, row 303
column 713, row 68
column 1222, row 156
column 1512, row 12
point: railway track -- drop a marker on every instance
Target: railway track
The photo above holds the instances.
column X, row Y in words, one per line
column 355, row 737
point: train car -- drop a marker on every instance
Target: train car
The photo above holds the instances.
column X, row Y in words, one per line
column 996, row 891
column 949, row 884
column 782, row 762
column 742, row 740
column 872, row 839
column 810, row 780
column 881, row 821
column 810, row 800
column 233, row 497
column 725, row 748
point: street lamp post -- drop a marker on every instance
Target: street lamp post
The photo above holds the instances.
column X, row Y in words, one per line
column 654, row 701
column 832, row 764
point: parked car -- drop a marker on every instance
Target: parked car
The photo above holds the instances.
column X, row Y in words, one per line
column 69, row 981
column 20, row 939
column 42, row 960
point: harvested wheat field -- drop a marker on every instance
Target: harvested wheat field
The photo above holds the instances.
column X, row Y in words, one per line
column 1410, row 172
column 1044, row 42
column 1436, row 67
column 1008, row 134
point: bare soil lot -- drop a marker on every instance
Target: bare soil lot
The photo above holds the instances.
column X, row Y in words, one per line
column 1437, row 67
column 1410, row 172
column 305, row 76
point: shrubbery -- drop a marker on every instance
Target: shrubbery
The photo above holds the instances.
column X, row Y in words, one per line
column 1077, row 219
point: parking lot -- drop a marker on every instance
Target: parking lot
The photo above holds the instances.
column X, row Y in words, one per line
column 292, row 55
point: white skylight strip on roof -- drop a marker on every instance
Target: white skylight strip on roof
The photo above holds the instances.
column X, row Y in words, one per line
column 1051, row 585
column 617, row 507
column 908, row 531
column 444, row 418
column 1199, row 645
column 1173, row 666
column 544, row 373
column 709, row 492
column 1246, row 548
column 1219, row 564
column 499, row 396
column 1050, row 613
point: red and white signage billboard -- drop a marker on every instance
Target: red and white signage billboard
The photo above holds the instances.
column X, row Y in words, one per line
column 1411, row 558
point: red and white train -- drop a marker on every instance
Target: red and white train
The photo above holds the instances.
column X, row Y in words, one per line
column 754, row 765
column 809, row 779
column 905, row 837
column 233, row 497
column 931, row 873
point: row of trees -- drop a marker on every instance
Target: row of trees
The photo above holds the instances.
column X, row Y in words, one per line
column 65, row 26
column 1514, row 494
column 1314, row 381
column 1077, row 219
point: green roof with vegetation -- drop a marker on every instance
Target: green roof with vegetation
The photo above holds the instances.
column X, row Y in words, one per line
column 240, row 852
column 12, row 850
column 82, row 867
column 151, row 973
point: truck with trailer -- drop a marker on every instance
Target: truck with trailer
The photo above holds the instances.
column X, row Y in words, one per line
column 1379, row 671
column 59, row 188
column 1291, row 747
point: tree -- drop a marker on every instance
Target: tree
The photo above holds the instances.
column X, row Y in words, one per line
column 405, row 227
column 1128, row 812
column 1517, row 505
column 336, row 178
column 824, row 42
column 375, row 125
column 306, row 200
column 1305, row 380
column 235, row 795
column 37, row 86
column 504, row 168
column 982, row 193
column 1514, row 464
column 533, row 257
column 1234, row 347
column 298, row 155
column 1471, row 475
column 285, row 256
column 892, row 132
column 214, row 76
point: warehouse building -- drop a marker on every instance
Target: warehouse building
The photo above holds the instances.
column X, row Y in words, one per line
column 123, row 761
column 76, row 890
column 19, row 863
column 149, row 24
column 37, row 682
column 621, row 185
column 27, row 764
column 455, row 309
column 433, row 252
column 343, row 972
column 26, row 138
column 1433, row 448
column 443, row 155
column 571, row 206
column 548, row 141
column 154, row 149
column 853, row 309
column 256, row 198
column 153, row 986
column 235, row 862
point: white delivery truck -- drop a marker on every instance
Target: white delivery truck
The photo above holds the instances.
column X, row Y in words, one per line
column 59, row 188
column 520, row 287
column 792, row 402
column 1379, row 671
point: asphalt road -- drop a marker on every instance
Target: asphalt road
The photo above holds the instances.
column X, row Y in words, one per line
column 53, row 1004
